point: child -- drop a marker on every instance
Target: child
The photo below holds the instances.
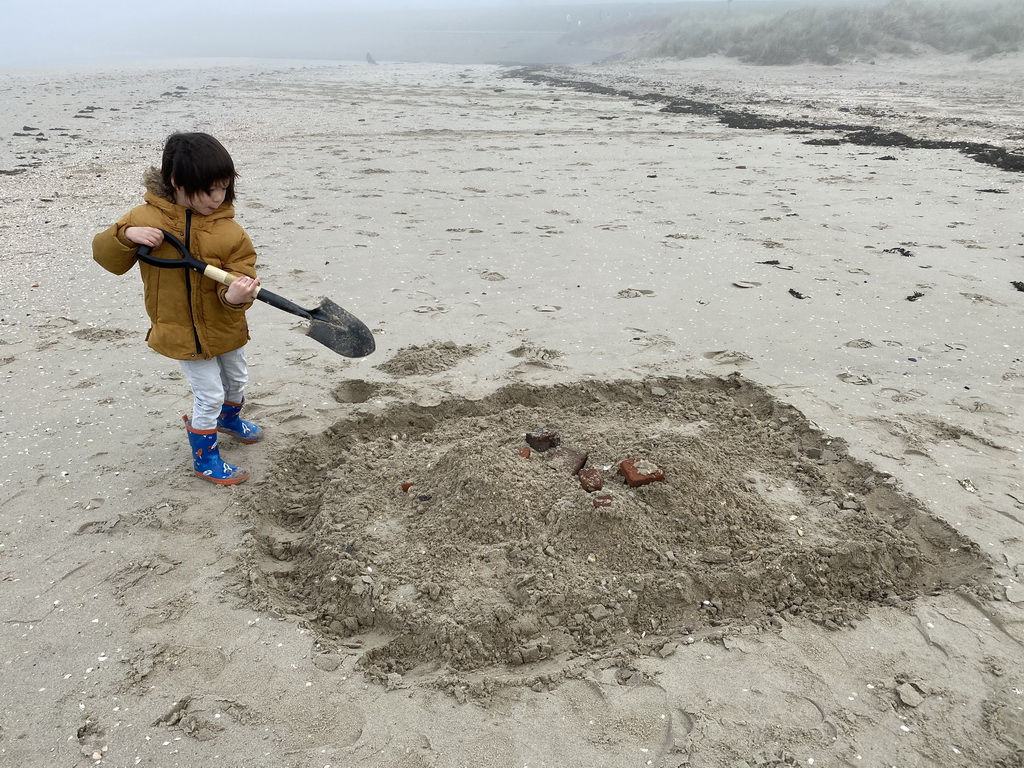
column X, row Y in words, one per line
column 194, row 319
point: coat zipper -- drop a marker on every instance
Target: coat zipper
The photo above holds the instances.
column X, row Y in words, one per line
column 188, row 282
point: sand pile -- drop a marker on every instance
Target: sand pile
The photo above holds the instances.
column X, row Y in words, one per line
column 443, row 540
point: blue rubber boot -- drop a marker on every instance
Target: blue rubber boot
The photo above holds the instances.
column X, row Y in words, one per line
column 230, row 423
column 206, row 460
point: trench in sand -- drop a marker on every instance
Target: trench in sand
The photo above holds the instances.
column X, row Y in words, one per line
column 491, row 559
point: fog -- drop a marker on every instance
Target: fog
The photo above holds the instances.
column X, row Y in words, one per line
column 66, row 32
column 72, row 32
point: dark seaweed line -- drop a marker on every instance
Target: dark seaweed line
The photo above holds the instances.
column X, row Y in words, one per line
column 862, row 135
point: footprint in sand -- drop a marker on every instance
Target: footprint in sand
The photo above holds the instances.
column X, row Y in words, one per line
column 901, row 395
column 976, row 405
column 635, row 715
column 493, row 277
column 850, row 377
column 633, row 293
column 859, row 344
column 646, row 339
column 533, row 353
column 729, row 357
column 977, row 298
column 102, row 334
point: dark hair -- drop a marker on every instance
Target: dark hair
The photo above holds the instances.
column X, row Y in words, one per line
column 194, row 161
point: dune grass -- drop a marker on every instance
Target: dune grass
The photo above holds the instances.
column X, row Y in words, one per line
column 780, row 33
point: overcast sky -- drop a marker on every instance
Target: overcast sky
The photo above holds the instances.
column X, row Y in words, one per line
column 63, row 32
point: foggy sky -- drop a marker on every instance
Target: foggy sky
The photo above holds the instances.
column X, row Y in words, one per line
column 66, row 32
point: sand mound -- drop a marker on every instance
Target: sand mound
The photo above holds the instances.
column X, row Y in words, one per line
column 428, row 533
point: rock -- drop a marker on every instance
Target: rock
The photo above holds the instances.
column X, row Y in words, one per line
column 716, row 555
column 543, row 439
column 1015, row 593
column 590, row 480
column 572, row 459
column 638, row 472
column 909, row 695
column 602, row 500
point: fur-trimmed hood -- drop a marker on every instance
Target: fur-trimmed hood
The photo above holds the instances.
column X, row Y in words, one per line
column 153, row 181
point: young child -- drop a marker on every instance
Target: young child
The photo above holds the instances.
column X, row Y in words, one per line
column 194, row 319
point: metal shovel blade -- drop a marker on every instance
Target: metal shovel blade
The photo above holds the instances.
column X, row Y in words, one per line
column 340, row 330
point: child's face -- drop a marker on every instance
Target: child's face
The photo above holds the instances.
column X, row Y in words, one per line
column 204, row 202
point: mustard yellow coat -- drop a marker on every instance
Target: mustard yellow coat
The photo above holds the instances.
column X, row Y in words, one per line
column 189, row 317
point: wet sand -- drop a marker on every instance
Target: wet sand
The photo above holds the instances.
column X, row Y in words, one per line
column 814, row 339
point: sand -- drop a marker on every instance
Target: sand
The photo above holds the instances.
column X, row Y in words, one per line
column 807, row 340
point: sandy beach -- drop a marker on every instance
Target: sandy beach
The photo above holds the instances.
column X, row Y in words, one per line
column 807, row 341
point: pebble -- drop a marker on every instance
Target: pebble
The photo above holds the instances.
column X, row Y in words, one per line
column 909, row 695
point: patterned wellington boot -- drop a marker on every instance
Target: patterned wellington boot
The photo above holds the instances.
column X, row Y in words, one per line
column 206, row 460
column 230, row 423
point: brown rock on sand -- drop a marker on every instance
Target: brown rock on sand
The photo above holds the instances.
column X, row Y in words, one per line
column 638, row 472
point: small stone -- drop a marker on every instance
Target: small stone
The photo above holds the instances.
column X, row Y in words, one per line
column 638, row 472
column 603, row 500
column 909, row 695
column 543, row 439
column 590, row 480
column 668, row 649
column 572, row 459
column 1015, row 593
column 716, row 555
column 406, row 487
column 531, row 654
column 525, row 452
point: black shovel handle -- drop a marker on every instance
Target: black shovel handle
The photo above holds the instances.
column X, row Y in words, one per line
column 145, row 254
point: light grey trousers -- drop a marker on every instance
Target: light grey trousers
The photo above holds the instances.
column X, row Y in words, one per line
column 213, row 381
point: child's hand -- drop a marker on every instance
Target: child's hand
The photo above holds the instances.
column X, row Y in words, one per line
column 150, row 236
column 242, row 290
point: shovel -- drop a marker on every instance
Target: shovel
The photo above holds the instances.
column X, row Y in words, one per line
column 331, row 325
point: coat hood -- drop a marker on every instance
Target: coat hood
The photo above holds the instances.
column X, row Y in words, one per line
column 153, row 180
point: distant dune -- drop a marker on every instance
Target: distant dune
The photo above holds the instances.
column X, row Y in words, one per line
column 761, row 32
